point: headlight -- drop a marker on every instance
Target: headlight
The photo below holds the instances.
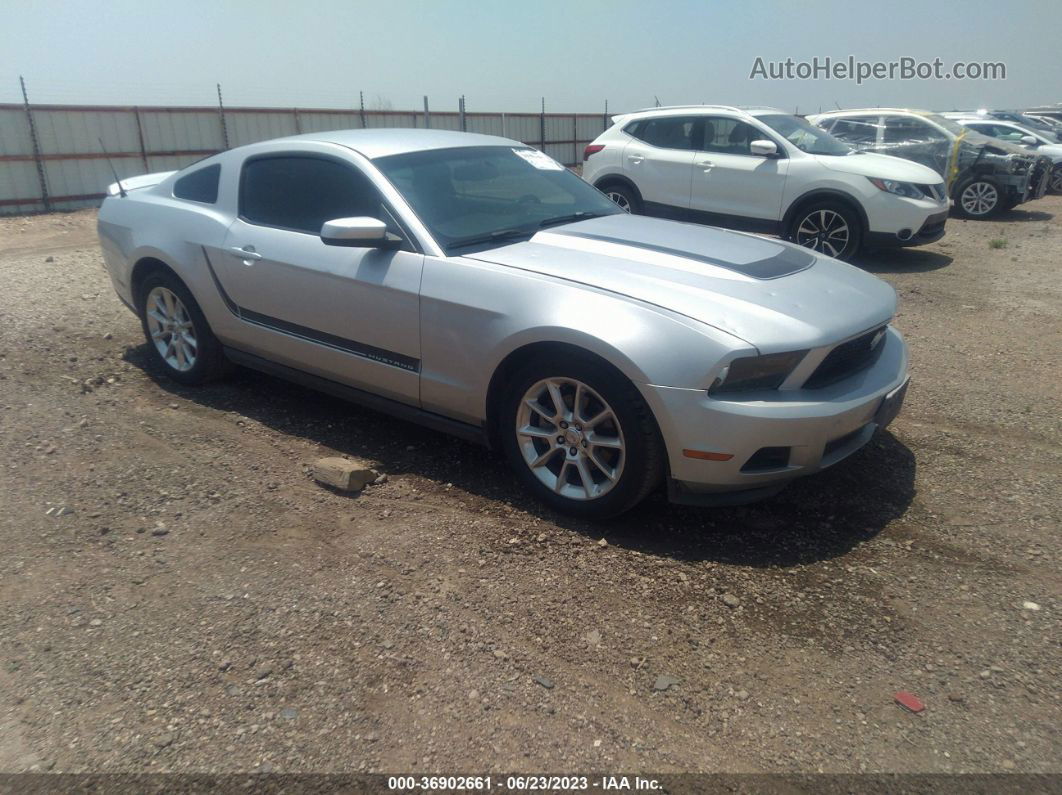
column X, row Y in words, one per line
column 756, row 372
column 908, row 189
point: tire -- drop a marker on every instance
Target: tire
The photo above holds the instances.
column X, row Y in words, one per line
column 830, row 228
column 554, row 455
column 978, row 198
column 626, row 198
column 166, row 305
column 1054, row 184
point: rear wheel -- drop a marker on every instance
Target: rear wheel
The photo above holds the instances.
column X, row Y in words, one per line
column 179, row 338
column 1054, row 184
column 829, row 228
column 580, row 437
column 624, row 197
column 978, row 198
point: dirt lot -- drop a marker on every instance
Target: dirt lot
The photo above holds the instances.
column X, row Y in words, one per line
column 195, row 602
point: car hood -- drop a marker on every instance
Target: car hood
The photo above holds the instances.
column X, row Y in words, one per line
column 870, row 164
column 773, row 295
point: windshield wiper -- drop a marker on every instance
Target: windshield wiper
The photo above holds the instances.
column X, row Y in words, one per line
column 582, row 215
column 496, row 236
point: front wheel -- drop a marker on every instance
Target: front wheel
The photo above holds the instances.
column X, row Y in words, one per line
column 978, row 198
column 580, row 437
column 828, row 228
column 179, row 339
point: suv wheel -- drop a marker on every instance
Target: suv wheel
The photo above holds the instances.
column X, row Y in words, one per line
column 179, row 339
column 580, row 437
column 829, row 228
column 1055, row 183
column 978, row 198
column 624, row 197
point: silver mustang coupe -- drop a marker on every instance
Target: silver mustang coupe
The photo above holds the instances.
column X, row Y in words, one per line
column 473, row 284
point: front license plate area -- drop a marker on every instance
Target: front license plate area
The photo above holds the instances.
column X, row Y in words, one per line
column 891, row 405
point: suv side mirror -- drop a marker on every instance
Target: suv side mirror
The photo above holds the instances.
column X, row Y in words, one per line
column 1029, row 140
column 359, row 232
column 764, row 148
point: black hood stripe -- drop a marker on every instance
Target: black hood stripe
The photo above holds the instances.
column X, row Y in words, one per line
column 790, row 260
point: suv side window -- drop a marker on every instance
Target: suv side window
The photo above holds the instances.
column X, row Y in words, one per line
column 669, row 132
column 858, row 131
column 301, row 192
column 904, row 129
column 730, row 136
column 199, row 186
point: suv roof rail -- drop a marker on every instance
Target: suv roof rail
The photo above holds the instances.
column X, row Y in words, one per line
column 685, row 107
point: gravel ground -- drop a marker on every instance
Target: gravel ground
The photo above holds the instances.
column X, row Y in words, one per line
column 176, row 594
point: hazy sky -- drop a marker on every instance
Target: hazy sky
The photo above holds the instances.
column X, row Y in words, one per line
column 504, row 56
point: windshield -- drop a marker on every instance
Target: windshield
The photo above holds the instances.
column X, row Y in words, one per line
column 805, row 136
column 489, row 195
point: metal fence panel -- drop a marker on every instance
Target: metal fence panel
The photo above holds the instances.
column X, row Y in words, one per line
column 171, row 131
column 250, row 127
column 80, row 131
column 18, row 180
column 311, row 121
column 14, row 132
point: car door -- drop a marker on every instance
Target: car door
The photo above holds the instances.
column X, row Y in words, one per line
column 348, row 314
column 728, row 180
column 659, row 160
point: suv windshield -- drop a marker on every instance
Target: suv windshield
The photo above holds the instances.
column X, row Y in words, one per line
column 805, row 136
column 489, row 195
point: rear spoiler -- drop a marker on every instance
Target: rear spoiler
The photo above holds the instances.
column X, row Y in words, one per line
column 143, row 181
column 619, row 118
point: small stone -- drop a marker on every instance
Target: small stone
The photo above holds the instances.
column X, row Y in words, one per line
column 1008, row 764
column 343, row 473
column 289, row 713
column 742, row 695
column 49, row 259
column 165, row 739
column 546, row 683
column 380, row 480
column 1030, row 606
column 160, row 530
column 108, row 336
column 264, row 671
column 473, row 695
column 956, row 698
column 985, row 674
column 730, row 600
column 225, row 665
column 499, row 654
column 602, row 543
column 593, row 637
column 665, row 682
column 96, row 622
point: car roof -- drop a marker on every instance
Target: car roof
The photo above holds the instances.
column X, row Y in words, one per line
column 875, row 111
column 696, row 110
column 382, row 142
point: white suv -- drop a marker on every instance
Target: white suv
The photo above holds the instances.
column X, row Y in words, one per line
column 763, row 170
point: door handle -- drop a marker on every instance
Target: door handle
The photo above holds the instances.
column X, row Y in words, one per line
column 636, row 159
column 246, row 253
column 706, row 164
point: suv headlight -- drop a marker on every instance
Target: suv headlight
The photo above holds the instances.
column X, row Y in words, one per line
column 908, row 189
column 756, row 372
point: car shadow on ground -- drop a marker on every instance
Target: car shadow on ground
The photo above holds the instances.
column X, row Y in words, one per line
column 901, row 260
column 1021, row 214
column 815, row 518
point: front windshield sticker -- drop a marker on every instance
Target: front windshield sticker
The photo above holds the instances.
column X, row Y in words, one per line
column 539, row 159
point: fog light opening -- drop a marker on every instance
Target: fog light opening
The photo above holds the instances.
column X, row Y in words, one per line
column 904, row 234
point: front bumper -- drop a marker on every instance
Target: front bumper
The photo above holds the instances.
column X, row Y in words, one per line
column 902, row 221
column 818, row 427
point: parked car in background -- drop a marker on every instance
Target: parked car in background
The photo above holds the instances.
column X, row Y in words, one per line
column 763, row 170
column 1043, row 126
column 1051, row 114
column 1029, row 139
column 985, row 176
column 473, row 284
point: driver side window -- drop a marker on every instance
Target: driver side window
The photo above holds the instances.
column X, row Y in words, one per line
column 300, row 193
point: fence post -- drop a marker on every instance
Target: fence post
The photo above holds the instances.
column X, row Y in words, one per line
column 604, row 119
column 361, row 103
column 461, row 110
column 140, row 137
column 221, row 115
column 542, row 126
column 427, row 115
column 298, row 121
column 575, row 139
column 36, row 147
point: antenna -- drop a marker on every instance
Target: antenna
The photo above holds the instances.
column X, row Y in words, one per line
column 121, row 190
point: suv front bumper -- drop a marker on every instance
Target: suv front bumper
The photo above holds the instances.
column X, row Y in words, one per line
column 816, row 427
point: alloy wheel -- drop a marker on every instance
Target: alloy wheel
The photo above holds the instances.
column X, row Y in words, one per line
column 825, row 231
column 1056, row 180
column 171, row 329
column 979, row 198
column 620, row 199
column 570, row 438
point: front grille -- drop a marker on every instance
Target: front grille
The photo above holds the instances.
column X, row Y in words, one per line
column 932, row 191
column 848, row 358
column 933, row 224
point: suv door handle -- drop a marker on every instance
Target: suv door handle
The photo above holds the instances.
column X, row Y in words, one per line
column 246, row 253
column 636, row 159
column 706, row 163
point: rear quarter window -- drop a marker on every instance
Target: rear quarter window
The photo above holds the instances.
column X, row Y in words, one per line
column 199, row 186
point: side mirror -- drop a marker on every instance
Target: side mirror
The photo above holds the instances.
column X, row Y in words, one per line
column 764, row 148
column 359, row 232
column 1029, row 140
